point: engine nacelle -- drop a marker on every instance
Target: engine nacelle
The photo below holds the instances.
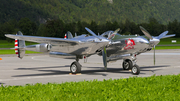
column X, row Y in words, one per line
column 43, row 47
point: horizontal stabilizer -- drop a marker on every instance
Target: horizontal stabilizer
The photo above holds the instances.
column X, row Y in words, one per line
column 18, row 48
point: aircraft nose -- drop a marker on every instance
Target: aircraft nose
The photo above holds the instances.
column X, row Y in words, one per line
column 144, row 41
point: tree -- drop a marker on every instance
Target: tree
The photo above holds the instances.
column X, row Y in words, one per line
column 173, row 27
column 27, row 27
column 55, row 28
column 9, row 27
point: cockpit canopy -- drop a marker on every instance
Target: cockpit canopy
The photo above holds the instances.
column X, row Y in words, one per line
column 107, row 34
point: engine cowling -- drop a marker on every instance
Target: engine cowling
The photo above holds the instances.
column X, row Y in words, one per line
column 43, row 47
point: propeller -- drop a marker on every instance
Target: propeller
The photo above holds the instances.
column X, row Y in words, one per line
column 146, row 32
column 154, row 40
column 154, row 54
column 104, row 54
column 91, row 32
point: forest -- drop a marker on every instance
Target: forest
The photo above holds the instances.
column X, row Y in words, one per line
column 100, row 11
column 57, row 28
column 54, row 18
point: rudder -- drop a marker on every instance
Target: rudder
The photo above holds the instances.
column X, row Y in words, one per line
column 20, row 46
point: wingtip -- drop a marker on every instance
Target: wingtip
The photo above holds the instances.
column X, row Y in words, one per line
column 141, row 27
column 8, row 34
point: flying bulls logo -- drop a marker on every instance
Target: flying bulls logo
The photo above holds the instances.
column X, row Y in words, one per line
column 129, row 44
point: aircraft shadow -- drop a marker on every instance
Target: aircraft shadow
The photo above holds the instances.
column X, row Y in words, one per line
column 154, row 66
column 59, row 72
column 41, row 67
column 88, row 72
column 1, row 83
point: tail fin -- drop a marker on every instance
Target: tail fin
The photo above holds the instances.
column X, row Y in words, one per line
column 68, row 35
column 20, row 46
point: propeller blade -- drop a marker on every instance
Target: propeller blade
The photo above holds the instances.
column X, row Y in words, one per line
column 162, row 35
column 104, row 58
column 114, row 33
column 154, row 55
column 92, row 33
column 146, row 32
column 169, row 36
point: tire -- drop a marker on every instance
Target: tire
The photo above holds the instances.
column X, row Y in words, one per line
column 75, row 67
column 135, row 70
column 127, row 64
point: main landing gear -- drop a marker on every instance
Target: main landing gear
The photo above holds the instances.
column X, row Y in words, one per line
column 130, row 64
column 75, row 67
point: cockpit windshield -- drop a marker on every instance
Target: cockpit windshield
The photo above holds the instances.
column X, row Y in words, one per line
column 107, row 34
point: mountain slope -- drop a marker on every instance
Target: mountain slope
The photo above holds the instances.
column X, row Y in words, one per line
column 100, row 11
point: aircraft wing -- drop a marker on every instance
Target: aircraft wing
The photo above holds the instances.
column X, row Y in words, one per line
column 49, row 40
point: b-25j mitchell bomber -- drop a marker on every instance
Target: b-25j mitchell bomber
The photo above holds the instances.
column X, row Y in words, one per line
column 110, row 45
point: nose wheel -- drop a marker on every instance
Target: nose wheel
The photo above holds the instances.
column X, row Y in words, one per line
column 75, row 67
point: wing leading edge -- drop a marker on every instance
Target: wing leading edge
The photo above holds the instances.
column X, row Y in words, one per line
column 49, row 40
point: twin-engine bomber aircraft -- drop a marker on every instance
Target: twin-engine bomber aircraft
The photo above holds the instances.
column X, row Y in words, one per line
column 110, row 45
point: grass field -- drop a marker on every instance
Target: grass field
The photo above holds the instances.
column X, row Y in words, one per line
column 168, row 41
column 154, row 88
column 12, row 51
column 167, row 47
column 6, row 44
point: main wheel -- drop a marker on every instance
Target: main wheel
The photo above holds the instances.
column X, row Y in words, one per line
column 135, row 70
column 75, row 67
column 127, row 64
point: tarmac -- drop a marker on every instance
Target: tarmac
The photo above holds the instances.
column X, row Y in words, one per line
column 40, row 68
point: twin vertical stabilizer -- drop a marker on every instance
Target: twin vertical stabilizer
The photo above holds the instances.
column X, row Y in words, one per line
column 20, row 46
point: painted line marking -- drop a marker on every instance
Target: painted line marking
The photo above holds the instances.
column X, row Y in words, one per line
column 75, row 74
column 37, row 77
column 160, row 53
